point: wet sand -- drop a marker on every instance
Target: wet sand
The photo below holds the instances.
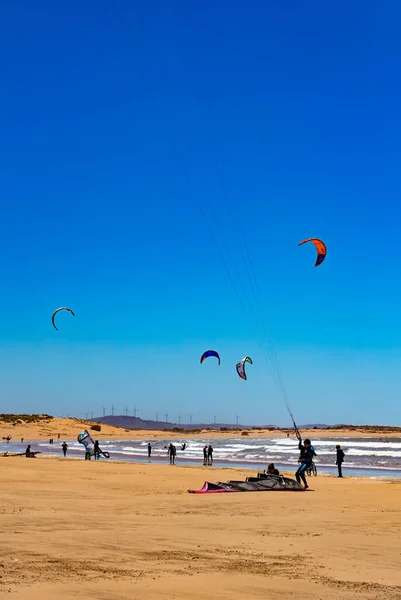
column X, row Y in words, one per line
column 114, row 531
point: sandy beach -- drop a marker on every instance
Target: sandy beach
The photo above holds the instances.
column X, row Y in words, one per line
column 76, row 529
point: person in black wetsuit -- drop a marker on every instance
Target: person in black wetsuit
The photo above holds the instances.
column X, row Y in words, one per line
column 64, row 446
column 340, row 460
column 149, row 449
column 172, row 450
column 306, row 461
column 210, row 455
column 205, row 455
column 96, row 450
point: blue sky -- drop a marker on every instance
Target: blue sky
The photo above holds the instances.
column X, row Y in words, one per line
column 281, row 121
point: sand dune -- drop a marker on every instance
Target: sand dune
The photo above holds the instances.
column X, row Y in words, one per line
column 69, row 428
column 114, row 531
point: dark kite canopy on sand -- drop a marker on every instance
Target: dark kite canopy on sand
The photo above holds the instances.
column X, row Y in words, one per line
column 262, row 483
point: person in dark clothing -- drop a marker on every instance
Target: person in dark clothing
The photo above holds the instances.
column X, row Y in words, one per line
column 205, row 455
column 172, row 452
column 210, row 455
column 28, row 451
column 64, row 446
column 340, row 460
column 96, row 450
column 306, row 461
column 149, row 450
column 271, row 469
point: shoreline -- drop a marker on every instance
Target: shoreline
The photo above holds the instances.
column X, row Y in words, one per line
column 287, row 469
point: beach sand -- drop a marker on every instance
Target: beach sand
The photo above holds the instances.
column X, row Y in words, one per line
column 69, row 428
column 114, row 531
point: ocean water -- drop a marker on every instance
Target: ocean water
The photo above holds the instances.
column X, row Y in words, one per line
column 363, row 456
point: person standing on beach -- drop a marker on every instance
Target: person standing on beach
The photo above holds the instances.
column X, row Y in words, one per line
column 172, row 451
column 96, row 450
column 205, row 455
column 28, row 451
column 306, row 462
column 210, row 455
column 64, row 446
column 340, row 460
column 149, row 450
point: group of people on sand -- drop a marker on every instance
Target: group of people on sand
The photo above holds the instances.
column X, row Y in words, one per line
column 64, row 447
column 305, row 460
column 208, row 455
column 96, row 451
column 171, row 451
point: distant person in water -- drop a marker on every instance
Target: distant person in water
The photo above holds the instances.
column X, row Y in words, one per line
column 58, row 436
column 149, row 449
column 205, row 455
column 339, row 460
column 271, row 469
column 210, row 455
column 22, row 439
column 64, row 447
column 96, row 450
column 306, row 461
